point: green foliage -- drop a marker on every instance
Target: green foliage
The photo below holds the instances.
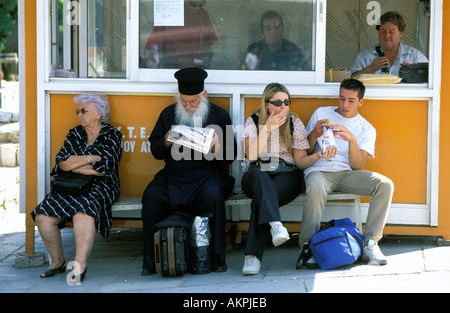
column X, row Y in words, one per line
column 8, row 19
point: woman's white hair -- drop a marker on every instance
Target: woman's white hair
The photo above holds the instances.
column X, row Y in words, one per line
column 101, row 105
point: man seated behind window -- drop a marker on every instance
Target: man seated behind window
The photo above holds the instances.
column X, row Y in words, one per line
column 390, row 54
column 275, row 52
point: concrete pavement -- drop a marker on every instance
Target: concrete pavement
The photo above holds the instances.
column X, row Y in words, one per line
column 415, row 264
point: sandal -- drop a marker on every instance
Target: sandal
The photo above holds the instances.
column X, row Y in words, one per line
column 78, row 278
column 54, row 271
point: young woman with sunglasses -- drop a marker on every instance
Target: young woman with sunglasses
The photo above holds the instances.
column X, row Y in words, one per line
column 281, row 136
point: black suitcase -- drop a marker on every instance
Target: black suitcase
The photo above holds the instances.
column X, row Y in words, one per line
column 171, row 251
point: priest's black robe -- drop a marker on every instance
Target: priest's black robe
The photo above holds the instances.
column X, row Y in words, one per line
column 189, row 182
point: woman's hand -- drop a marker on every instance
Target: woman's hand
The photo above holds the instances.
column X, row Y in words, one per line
column 94, row 158
column 81, row 164
column 275, row 120
column 87, row 170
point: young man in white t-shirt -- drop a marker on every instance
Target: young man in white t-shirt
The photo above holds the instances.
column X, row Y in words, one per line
column 341, row 169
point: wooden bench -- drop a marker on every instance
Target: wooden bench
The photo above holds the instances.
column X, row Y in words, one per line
column 238, row 208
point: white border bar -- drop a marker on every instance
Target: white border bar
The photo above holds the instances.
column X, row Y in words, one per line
column 42, row 10
column 434, row 110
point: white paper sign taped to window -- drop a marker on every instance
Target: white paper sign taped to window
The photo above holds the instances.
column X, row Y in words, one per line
column 168, row 12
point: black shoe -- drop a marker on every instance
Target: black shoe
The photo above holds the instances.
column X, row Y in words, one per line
column 218, row 264
column 54, row 271
column 77, row 279
column 200, row 268
column 148, row 269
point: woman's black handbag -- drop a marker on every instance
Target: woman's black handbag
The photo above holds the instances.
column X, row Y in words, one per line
column 274, row 165
column 72, row 183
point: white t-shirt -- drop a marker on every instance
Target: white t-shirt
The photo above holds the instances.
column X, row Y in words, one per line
column 363, row 131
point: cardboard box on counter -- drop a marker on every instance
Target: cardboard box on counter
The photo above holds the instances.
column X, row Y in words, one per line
column 336, row 75
column 65, row 73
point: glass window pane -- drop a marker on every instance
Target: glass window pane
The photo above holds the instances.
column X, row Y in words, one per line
column 89, row 40
column 107, row 38
column 351, row 29
column 57, row 18
column 227, row 35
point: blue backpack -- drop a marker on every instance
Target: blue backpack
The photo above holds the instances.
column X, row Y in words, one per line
column 336, row 244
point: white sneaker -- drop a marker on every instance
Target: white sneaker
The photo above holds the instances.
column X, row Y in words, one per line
column 251, row 265
column 372, row 254
column 279, row 234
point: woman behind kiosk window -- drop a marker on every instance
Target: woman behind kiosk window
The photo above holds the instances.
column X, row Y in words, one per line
column 270, row 190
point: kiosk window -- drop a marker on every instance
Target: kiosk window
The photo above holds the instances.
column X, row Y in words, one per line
column 89, row 37
column 352, row 29
column 227, row 35
column 107, row 38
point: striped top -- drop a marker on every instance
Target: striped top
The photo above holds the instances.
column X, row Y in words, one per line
column 106, row 189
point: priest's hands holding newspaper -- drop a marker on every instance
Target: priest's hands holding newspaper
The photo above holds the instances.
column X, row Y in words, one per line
column 204, row 140
column 215, row 143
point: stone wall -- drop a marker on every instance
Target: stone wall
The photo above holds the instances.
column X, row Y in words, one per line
column 9, row 189
column 9, row 144
column 9, row 164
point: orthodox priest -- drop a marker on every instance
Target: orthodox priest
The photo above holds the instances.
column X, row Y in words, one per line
column 191, row 182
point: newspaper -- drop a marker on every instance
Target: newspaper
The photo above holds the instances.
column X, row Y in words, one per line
column 193, row 137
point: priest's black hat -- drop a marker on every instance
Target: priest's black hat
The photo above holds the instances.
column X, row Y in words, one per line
column 191, row 80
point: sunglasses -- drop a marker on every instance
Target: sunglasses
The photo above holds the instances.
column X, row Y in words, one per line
column 82, row 111
column 278, row 103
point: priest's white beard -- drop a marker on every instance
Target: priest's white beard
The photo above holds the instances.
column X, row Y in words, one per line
column 196, row 119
